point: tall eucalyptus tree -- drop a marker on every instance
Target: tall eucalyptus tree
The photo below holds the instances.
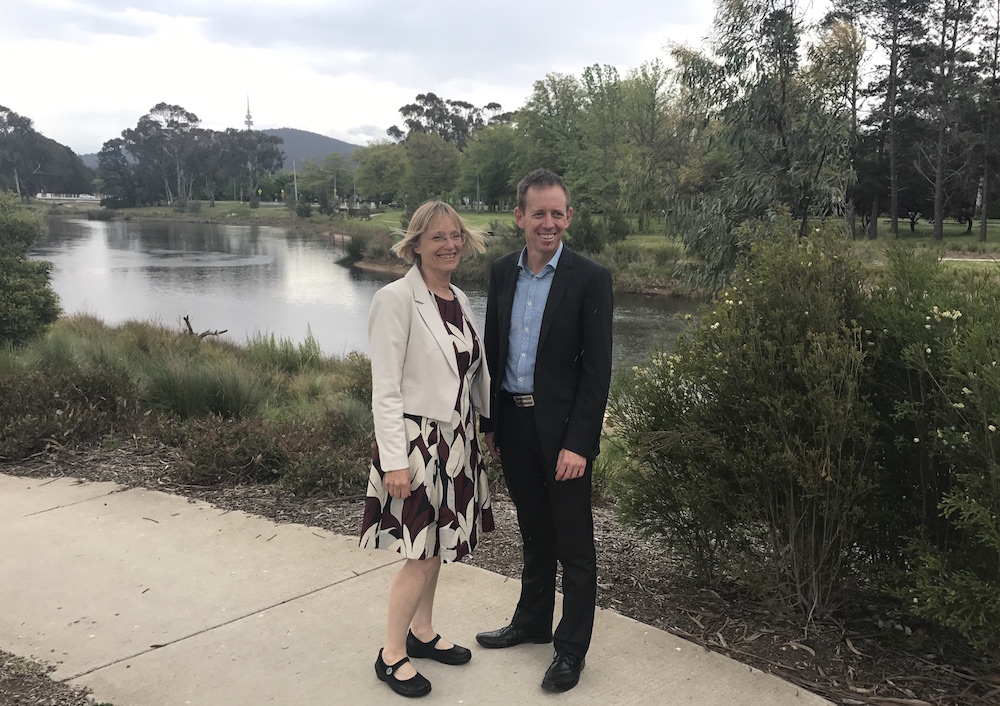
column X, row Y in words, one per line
column 381, row 171
column 789, row 131
column 551, row 124
column 163, row 141
column 645, row 161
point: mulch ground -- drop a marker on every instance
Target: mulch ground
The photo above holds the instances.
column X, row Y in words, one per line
column 867, row 654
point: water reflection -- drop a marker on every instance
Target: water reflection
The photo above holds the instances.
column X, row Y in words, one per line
column 250, row 279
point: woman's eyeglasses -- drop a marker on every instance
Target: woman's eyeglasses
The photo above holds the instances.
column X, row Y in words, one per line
column 439, row 238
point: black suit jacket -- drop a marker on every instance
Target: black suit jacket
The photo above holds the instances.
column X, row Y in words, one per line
column 573, row 364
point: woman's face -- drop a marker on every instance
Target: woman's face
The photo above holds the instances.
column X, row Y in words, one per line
column 440, row 247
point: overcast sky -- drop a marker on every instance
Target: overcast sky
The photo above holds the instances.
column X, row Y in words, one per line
column 84, row 70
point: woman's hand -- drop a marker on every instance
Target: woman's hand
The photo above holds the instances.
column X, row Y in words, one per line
column 397, row 483
column 490, row 440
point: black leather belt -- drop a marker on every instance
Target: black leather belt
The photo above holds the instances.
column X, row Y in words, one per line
column 521, row 400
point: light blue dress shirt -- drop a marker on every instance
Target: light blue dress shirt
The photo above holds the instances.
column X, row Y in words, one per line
column 530, row 295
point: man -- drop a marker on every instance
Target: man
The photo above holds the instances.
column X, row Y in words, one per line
column 548, row 344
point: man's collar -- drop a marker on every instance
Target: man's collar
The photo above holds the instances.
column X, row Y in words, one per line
column 553, row 263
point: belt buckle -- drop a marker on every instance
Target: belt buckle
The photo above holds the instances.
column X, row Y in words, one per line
column 524, row 400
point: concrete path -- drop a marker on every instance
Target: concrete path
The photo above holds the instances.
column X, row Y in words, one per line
column 153, row 600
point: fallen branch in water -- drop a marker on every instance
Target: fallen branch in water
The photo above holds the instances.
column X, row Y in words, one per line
column 187, row 321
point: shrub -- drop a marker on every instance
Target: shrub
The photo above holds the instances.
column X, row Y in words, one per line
column 28, row 305
column 325, row 207
column 751, row 445
column 303, row 209
column 357, row 246
column 504, row 234
column 587, row 234
column 618, row 227
column 100, row 214
column 329, row 453
column 192, row 388
column 267, row 352
column 229, row 451
column 355, row 372
column 332, row 454
column 938, row 387
column 41, row 409
column 812, row 427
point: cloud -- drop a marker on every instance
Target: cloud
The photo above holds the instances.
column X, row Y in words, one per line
column 337, row 67
column 360, row 134
column 76, row 22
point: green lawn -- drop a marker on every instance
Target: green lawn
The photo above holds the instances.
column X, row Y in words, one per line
column 268, row 213
column 956, row 239
column 984, row 264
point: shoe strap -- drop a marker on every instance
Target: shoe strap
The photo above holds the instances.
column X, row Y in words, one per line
column 431, row 643
column 397, row 665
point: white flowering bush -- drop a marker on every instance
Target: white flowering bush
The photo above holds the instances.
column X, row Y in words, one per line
column 818, row 423
column 938, row 347
column 751, row 444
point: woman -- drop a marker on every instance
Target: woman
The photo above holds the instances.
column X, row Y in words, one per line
column 428, row 496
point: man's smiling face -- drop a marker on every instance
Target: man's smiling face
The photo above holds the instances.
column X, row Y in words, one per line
column 545, row 218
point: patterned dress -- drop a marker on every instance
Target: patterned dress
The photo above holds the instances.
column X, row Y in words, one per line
column 449, row 503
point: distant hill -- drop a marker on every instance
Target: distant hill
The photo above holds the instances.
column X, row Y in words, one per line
column 302, row 144
column 298, row 145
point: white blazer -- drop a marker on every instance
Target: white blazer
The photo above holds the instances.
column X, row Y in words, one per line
column 414, row 370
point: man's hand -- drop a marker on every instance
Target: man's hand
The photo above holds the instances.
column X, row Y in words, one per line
column 570, row 465
column 490, row 440
column 397, row 483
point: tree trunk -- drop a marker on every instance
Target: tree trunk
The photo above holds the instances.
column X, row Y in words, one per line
column 939, row 165
column 873, row 220
column 990, row 107
column 982, row 214
column 939, row 188
column 893, row 168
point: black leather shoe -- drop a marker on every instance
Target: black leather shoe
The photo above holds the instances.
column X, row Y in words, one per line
column 564, row 672
column 509, row 636
column 414, row 686
column 454, row 655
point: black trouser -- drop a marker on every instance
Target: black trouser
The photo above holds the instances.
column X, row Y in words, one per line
column 556, row 523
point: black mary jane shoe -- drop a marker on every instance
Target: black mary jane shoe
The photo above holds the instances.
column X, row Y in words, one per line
column 453, row 655
column 414, row 686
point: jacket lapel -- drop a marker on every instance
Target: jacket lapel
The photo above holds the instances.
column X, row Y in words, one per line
column 560, row 283
column 505, row 304
column 429, row 314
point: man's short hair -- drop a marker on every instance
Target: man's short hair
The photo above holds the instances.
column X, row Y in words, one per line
column 541, row 179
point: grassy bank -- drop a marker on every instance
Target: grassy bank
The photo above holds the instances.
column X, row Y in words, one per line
column 267, row 411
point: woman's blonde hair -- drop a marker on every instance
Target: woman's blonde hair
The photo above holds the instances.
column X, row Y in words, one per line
column 422, row 218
